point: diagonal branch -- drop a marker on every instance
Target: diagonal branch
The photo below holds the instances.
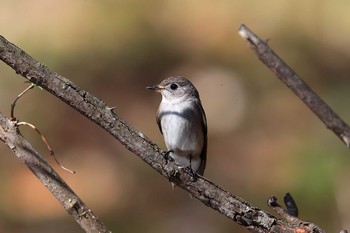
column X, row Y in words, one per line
column 97, row 111
column 297, row 85
column 64, row 194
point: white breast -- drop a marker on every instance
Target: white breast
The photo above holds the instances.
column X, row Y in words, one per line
column 183, row 131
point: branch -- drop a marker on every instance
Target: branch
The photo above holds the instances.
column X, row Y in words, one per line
column 97, row 111
column 296, row 223
column 10, row 135
column 297, row 85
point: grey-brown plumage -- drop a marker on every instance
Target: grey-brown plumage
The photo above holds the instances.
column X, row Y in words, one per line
column 182, row 121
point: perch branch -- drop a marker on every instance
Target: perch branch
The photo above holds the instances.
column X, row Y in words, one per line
column 97, row 111
column 297, row 85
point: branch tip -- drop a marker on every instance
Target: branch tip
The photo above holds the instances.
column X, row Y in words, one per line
column 243, row 31
column 248, row 35
column 346, row 140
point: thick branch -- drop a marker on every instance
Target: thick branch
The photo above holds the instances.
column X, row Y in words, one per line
column 97, row 111
column 10, row 135
column 297, row 85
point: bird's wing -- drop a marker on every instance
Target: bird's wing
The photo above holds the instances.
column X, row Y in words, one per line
column 158, row 118
column 203, row 154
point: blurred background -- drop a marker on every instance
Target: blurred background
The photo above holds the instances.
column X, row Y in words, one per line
column 263, row 141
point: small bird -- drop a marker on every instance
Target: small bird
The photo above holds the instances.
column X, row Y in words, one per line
column 182, row 121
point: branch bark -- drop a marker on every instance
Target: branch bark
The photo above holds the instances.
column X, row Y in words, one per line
column 297, row 85
column 97, row 111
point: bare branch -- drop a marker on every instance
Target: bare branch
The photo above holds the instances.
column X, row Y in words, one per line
column 297, row 85
column 10, row 135
column 97, row 111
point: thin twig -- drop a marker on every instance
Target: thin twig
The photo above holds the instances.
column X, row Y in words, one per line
column 52, row 153
column 17, row 98
column 297, row 85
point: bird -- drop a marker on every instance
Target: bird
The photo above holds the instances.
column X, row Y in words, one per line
column 182, row 121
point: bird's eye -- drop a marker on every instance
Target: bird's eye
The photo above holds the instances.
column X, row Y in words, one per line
column 173, row 86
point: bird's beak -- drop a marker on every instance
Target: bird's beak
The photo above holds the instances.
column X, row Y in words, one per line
column 156, row 88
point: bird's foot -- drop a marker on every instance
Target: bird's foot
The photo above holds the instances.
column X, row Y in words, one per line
column 166, row 155
column 193, row 175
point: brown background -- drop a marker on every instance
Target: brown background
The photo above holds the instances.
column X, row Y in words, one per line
column 262, row 140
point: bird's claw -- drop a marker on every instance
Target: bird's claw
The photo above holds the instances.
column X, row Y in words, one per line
column 193, row 175
column 166, row 155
